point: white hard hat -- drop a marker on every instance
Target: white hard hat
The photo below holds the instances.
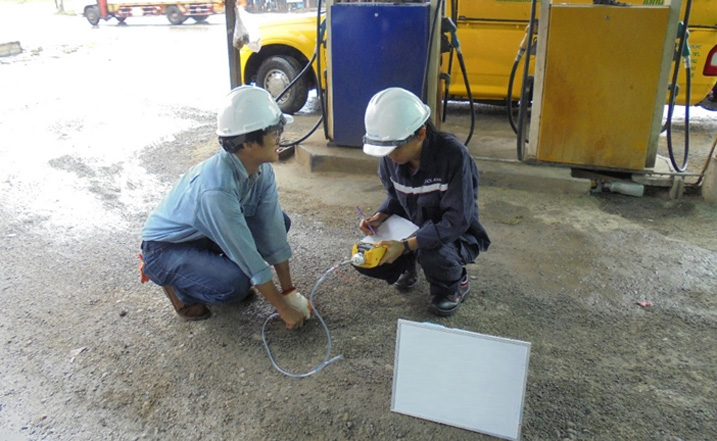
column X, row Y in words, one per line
column 392, row 116
column 246, row 109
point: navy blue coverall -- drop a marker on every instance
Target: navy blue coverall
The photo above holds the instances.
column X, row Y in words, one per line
column 441, row 198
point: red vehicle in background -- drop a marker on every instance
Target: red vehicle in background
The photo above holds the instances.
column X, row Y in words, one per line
column 177, row 12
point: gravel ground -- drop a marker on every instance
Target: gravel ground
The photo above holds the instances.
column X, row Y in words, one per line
column 89, row 353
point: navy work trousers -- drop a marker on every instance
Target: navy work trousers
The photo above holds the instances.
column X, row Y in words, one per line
column 443, row 266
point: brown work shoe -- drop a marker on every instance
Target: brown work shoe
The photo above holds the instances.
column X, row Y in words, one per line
column 194, row 312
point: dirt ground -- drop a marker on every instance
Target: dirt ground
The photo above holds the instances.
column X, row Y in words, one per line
column 89, row 353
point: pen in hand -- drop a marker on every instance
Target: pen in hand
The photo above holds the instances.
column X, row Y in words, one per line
column 364, row 218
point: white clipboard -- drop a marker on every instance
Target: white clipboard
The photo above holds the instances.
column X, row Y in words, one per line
column 393, row 228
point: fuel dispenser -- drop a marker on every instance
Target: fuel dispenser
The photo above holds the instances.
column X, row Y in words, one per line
column 372, row 46
column 601, row 81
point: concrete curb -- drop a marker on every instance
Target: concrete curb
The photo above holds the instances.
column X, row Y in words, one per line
column 318, row 157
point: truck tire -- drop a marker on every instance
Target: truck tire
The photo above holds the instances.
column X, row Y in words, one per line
column 275, row 73
column 92, row 14
column 200, row 18
column 175, row 16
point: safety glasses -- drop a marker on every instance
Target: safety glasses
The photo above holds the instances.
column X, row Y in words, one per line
column 277, row 128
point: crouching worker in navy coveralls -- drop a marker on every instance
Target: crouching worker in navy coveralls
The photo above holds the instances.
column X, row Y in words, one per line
column 430, row 179
column 221, row 229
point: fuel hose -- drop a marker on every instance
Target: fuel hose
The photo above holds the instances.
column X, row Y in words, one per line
column 527, row 85
column 511, row 81
column 454, row 18
column 322, row 118
column 456, row 44
column 683, row 51
column 281, row 94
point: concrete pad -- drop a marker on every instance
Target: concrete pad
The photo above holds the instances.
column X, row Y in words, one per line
column 315, row 155
column 522, row 176
column 319, row 157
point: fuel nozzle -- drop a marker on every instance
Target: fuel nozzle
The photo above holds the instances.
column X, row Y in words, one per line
column 686, row 51
column 447, row 26
column 524, row 43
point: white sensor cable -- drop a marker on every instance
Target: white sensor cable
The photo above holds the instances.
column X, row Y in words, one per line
column 326, row 361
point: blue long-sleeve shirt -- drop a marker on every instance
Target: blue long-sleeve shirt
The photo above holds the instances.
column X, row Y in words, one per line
column 218, row 200
column 440, row 197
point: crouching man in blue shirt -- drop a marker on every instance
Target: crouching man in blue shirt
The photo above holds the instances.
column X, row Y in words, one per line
column 430, row 179
column 220, row 229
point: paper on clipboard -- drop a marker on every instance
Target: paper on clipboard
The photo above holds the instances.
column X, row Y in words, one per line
column 393, row 228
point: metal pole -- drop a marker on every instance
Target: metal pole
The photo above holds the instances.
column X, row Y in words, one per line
column 233, row 53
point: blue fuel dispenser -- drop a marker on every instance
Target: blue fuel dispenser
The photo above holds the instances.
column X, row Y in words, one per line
column 373, row 46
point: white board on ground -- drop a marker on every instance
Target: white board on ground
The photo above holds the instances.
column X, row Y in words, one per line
column 460, row 378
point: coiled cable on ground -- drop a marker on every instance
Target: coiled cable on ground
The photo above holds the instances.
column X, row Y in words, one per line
column 326, row 361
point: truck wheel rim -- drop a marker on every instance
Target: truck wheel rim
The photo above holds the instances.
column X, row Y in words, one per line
column 275, row 82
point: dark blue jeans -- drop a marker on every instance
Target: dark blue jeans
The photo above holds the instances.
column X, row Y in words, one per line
column 198, row 270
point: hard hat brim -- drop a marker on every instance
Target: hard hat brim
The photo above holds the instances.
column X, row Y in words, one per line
column 378, row 150
column 288, row 119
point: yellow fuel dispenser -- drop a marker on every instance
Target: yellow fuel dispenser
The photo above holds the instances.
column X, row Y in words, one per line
column 601, row 81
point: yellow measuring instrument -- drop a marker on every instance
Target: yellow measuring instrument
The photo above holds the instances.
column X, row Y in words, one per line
column 367, row 255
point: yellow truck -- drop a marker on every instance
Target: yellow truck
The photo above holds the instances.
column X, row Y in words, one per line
column 177, row 11
column 490, row 32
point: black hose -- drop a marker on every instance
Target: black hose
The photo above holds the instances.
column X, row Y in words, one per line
column 454, row 17
column 296, row 78
column 448, row 85
column 278, row 97
column 445, row 90
column 319, row 88
column 523, row 111
column 670, row 110
column 306, row 136
column 470, row 95
column 424, row 86
column 462, row 63
column 509, row 98
column 673, row 93
column 459, row 53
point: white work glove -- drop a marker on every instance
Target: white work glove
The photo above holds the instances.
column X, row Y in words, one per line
column 299, row 302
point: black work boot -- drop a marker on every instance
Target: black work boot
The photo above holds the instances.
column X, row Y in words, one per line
column 448, row 305
column 408, row 280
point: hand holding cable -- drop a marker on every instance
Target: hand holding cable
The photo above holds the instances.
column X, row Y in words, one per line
column 327, row 359
column 298, row 302
column 289, row 312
